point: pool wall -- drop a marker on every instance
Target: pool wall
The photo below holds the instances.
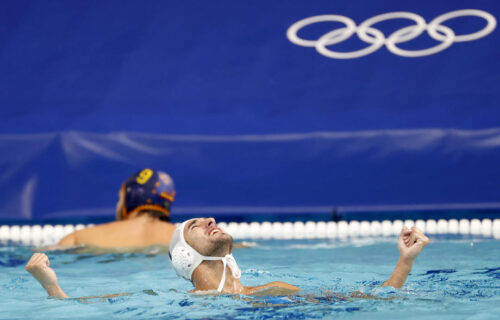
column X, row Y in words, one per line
column 73, row 174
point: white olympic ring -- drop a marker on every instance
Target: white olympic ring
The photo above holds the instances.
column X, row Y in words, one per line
column 377, row 39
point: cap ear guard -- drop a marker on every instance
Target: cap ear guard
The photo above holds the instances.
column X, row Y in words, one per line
column 184, row 262
column 183, row 257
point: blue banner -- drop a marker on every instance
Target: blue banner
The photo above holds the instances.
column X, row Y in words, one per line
column 251, row 106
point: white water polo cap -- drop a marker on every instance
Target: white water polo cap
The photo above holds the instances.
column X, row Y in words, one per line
column 185, row 259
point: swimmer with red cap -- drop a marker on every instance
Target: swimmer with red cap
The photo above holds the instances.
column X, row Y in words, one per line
column 142, row 214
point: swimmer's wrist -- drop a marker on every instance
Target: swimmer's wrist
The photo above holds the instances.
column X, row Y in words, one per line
column 406, row 261
column 54, row 290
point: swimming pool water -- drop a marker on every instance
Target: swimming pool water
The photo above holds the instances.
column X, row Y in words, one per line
column 454, row 278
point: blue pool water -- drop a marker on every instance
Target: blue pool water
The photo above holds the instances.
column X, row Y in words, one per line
column 454, row 278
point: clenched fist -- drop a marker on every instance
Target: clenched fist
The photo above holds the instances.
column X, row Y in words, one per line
column 39, row 267
column 411, row 242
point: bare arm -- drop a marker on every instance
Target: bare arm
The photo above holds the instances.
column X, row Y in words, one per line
column 276, row 288
column 39, row 267
column 410, row 244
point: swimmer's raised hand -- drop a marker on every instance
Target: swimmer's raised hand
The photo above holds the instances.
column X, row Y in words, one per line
column 411, row 242
column 39, row 267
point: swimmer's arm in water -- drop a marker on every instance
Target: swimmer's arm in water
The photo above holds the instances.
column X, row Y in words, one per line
column 276, row 288
column 411, row 242
column 244, row 245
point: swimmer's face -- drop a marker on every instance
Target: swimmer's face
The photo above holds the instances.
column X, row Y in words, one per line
column 120, row 204
column 207, row 238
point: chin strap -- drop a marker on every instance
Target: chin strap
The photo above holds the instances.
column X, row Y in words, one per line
column 229, row 261
column 223, row 280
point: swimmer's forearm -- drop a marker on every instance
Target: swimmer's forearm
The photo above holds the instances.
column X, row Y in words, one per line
column 55, row 291
column 106, row 296
column 400, row 273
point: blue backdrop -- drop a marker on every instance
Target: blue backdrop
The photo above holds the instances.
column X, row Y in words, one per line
column 244, row 119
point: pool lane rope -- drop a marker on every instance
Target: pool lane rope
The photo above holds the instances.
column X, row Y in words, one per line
column 49, row 234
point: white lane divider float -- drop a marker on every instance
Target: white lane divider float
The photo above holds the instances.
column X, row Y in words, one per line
column 49, row 234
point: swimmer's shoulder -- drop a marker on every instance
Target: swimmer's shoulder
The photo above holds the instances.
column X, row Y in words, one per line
column 79, row 236
column 69, row 240
column 121, row 233
column 275, row 288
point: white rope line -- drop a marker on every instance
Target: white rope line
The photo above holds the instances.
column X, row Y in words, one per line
column 49, row 234
column 358, row 229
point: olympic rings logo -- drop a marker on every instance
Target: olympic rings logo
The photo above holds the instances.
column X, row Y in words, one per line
column 445, row 35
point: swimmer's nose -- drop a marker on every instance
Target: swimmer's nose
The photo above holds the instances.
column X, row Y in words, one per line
column 211, row 222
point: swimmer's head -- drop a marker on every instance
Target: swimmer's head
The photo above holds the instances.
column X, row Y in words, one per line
column 204, row 236
column 197, row 240
column 146, row 191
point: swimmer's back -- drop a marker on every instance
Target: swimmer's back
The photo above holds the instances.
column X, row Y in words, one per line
column 142, row 231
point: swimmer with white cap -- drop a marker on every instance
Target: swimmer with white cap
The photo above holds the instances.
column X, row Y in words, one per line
column 201, row 252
